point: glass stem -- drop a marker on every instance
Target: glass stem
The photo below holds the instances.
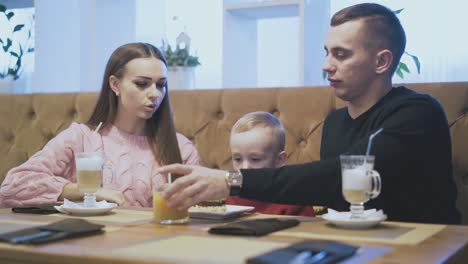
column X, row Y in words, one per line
column 357, row 211
column 89, row 200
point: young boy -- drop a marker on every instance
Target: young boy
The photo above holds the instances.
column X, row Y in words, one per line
column 257, row 141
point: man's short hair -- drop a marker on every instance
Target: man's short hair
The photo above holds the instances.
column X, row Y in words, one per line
column 262, row 119
column 382, row 24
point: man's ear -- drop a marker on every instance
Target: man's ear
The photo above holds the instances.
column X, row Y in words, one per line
column 114, row 84
column 384, row 61
column 281, row 159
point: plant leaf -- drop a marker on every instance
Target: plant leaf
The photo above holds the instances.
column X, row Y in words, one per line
column 10, row 15
column 14, row 54
column 8, row 45
column 2, row 8
column 404, row 67
column 418, row 64
column 324, row 75
column 18, row 27
column 398, row 11
column 399, row 72
column 1, row 41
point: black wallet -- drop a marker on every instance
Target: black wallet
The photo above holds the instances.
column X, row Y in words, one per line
column 37, row 209
column 319, row 251
column 256, row 227
column 59, row 230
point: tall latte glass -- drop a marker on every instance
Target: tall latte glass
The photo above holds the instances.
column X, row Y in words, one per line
column 162, row 214
column 360, row 182
column 89, row 166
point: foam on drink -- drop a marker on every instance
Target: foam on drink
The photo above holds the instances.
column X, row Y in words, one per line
column 356, row 184
column 89, row 163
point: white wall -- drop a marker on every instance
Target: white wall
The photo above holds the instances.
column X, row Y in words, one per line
column 57, row 53
column 278, row 52
column 74, row 40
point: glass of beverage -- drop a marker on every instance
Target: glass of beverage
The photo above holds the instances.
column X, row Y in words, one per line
column 162, row 214
column 360, row 182
column 89, row 166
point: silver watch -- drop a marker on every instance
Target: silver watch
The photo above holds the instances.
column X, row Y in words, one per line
column 234, row 182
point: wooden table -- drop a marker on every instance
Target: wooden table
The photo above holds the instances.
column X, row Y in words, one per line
column 132, row 237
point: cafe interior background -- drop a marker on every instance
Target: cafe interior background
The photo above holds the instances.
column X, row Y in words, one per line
column 239, row 43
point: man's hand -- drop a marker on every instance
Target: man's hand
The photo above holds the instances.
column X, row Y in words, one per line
column 110, row 196
column 197, row 185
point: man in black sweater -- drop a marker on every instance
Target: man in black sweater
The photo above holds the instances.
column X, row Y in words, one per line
column 413, row 153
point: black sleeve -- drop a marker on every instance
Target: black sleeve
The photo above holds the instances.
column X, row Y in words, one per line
column 294, row 184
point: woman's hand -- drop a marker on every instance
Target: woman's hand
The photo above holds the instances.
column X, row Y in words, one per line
column 197, row 185
column 110, row 196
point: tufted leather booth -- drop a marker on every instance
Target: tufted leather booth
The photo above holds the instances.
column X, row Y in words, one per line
column 27, row 122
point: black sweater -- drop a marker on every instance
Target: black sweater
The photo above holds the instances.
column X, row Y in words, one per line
column 413, row 157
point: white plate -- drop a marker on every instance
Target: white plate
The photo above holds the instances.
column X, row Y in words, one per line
column 86, row 211
column 231, row 211
column 346, row 222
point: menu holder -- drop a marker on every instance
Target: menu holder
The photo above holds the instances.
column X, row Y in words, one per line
column 256, row 227
column 55, row 231
column 320, row 251
column 36, row 209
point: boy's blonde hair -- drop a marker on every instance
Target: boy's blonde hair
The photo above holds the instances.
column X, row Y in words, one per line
column 262, row 119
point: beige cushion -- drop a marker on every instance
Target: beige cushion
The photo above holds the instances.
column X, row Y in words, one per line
column 27, row 122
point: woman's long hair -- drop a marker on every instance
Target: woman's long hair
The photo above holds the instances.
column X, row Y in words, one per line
column 160, row 129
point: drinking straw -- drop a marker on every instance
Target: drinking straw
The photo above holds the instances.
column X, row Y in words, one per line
column 370, row 143
column 98, row 127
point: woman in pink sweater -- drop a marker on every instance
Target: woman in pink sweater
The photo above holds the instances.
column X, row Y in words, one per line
column 137, row 136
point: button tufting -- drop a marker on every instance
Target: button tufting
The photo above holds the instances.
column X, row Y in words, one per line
column 302, row 143
column 275, row 112
column 220, row 114
column 73, row 113
column 49, row 136
column 10, row 138
column 31, row 115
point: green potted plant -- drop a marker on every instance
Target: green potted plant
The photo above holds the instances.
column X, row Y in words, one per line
column 13, row 48
column 180, row 57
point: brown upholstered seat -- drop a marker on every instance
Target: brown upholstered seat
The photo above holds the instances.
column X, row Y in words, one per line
column 27, row 122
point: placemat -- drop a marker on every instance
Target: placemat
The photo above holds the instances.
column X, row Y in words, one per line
column 217, row 249
column 198, row 249
column 387, row 232
column 123, row 217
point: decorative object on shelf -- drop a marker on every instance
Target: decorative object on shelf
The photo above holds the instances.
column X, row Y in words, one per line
column 181, row 65
column 13, row 49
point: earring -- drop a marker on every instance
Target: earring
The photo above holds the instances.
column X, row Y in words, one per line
column 117, row 94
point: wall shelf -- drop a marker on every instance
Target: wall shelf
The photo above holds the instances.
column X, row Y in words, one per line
column 240, row 37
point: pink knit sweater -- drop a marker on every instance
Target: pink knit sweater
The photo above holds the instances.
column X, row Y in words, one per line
column 129, row 160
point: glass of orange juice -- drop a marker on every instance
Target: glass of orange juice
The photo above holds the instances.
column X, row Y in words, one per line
column 162, row 214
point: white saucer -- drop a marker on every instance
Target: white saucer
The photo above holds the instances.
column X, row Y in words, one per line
column 345, row 221
column 104, row 208
column 231, row 211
